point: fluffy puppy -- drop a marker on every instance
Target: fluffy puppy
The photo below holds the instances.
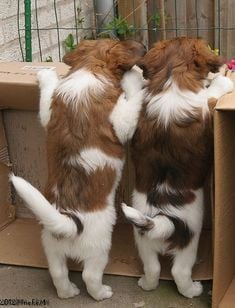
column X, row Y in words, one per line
column 172, row 151
column 88, row 120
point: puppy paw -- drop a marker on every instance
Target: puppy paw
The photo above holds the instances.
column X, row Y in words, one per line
column 132, row 82
column 104, row 293
column 194, row 290
column 220, row 86
column 46, row 76
column 147, row 285
column 70, row 291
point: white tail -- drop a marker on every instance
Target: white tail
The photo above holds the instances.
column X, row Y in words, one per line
column 158, row 227
column 48, row 215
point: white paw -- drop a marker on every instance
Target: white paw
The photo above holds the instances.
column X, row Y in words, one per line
column 46, row 76
column 104, row 293
column 132, row 82
column 194, row 290
column 220, row 86
column 71, row 291
column 146, row 285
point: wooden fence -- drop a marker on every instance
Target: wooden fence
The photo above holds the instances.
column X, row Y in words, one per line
column 212, row 20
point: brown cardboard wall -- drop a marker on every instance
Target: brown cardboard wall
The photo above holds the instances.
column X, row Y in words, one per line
column 224, row 234
column 7, row 211
column 26, row 142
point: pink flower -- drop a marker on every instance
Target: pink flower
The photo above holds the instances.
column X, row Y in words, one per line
column 231, row 65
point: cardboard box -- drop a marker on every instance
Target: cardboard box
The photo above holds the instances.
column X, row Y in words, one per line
column 22, row 149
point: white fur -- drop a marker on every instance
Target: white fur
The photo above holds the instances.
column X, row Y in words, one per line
column 153, row 242
column 93, row 158
column 219, row 86
column 132, row 82
column 191, row 214
column 125, row 114
column 175, row 104
column 52, row 219
column 79, row 86
column 91, row 247
column 48, row 82
column 134, row 215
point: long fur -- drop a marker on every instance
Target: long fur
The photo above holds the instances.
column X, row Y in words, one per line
column 55, row 222
column 172, row 151
column 86, row 154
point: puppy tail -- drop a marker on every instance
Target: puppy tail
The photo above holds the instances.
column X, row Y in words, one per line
column 158, row 227
column 138, row 219
column 65, row 225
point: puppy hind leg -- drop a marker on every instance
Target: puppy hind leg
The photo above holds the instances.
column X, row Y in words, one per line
column 59, row 272
column 93, row 274
column 150, row 279
column 184, row 261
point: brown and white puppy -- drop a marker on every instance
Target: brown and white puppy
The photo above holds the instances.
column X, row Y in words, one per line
column 88, row 120
column 172, row 151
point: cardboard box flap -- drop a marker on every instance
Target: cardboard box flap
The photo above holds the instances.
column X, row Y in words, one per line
column 18, row 83
column 25, row 72
column 224, row 248
column 228, row 300
column 226, row 102
column 7, row 212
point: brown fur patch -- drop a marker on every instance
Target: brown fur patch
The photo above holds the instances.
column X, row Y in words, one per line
column 187, row 61
column 181, row 155
column 71, row 131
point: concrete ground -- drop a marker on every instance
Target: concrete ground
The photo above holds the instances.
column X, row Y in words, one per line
column 30, row 283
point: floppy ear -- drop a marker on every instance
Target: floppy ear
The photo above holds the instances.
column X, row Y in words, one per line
column 154, row 60
column 204, row 57
column 126, row 54
column 215, row 63
column 70, row 58
column 81, row 50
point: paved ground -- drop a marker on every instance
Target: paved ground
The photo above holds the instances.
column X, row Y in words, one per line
column 30, row 283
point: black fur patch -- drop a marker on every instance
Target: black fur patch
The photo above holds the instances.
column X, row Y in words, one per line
column 175, row 197
column 76, row 220
column 182, row 234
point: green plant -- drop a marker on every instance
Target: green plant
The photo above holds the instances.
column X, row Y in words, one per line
column 215, row 51
column 156, row 19
column 79, row 20
column 69, row 43
column 120, row 27
column 49, row 59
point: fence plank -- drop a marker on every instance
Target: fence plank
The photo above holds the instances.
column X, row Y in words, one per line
column 135, row 13
column 227, row 20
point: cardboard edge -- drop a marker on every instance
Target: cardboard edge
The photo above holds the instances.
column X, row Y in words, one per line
column 7, row 210
column 228, row 301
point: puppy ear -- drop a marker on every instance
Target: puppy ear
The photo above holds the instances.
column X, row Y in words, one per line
column 215, row 63
column 81, row 50
column 70, row 58
column 154, row 61
column 205, row 58
column 125, row 54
